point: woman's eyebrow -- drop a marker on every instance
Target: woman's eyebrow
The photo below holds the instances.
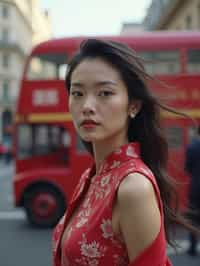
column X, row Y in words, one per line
column 106, row 82
column 76, row 84
column 98, row 83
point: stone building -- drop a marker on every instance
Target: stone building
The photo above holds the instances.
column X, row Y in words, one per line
column 22, row 25
column 173, row 15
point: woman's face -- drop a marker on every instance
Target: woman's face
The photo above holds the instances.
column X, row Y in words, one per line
column 98, row 101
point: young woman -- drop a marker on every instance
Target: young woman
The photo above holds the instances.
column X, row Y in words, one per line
column 120, row 212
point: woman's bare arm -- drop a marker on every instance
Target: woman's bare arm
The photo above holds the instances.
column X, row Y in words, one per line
column 139, row 215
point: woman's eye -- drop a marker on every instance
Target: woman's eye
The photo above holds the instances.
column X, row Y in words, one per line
column 105, row 93
column 76, row 93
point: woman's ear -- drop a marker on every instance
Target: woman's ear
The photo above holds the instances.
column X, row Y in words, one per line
column 135, row 108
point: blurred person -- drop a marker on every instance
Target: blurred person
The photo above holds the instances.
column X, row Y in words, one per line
column 192, row 165
column 8, row 148
column 2, row 151
column 120, row 212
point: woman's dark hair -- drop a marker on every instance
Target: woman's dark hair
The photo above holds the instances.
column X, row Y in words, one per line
column 146, row 126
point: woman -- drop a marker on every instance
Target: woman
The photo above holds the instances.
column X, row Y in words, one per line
column 120, row 211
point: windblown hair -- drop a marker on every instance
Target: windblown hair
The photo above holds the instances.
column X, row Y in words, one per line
column 146, row 126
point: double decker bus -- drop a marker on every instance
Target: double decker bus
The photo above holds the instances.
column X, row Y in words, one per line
column 49, row 155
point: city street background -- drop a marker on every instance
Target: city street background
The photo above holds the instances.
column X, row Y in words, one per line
column 25, row 24
column 22, row 245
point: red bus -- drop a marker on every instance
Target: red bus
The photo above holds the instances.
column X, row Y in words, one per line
column 49, row 155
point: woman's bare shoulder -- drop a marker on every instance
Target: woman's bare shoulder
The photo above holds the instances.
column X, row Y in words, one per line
column 135, row 187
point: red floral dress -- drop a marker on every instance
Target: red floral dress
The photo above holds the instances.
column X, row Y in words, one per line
column 90, row 239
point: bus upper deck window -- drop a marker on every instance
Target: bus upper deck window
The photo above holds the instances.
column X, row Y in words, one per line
column 161, row 62
column 193, row 60
column 47, row 67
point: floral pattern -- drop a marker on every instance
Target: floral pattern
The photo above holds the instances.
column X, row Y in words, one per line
column 90, row 240
column 91, row 250
column 100, row 188
column 83, row 215
column 105, row 180
column 131, row 152
column 106, row 228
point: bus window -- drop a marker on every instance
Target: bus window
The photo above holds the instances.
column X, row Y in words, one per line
column 37, row 140
column 47, row 67
column 79, row 145
column 193, row 60
column 41, row 140
column 55, row 136
column 174, row 137
column 192, row 131
column 24, row 141
column 161, row 62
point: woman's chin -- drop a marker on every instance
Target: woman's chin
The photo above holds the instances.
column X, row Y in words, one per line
column 89, row 138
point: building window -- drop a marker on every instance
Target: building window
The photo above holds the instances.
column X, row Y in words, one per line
column 6, row 60
column 5, row 11
column 5, row 35
column 188, row 22
column 6, row 90
column 198, row 10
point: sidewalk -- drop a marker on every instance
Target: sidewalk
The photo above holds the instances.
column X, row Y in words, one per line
column 181, row 258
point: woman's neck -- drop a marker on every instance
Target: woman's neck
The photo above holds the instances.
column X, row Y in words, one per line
column 104, row 148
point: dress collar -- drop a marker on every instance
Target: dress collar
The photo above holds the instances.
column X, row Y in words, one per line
column 116, row 158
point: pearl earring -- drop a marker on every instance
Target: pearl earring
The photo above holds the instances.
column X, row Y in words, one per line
column 132, row 115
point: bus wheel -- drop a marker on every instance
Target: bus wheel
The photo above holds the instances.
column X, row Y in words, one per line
column 44, row 206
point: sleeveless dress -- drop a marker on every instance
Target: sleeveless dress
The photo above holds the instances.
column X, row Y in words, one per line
column 89, row 239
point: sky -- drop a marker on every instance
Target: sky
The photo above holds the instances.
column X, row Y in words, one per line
column 93, row 17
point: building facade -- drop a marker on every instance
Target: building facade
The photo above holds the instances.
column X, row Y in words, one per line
column 22, row 25
column 173, row 15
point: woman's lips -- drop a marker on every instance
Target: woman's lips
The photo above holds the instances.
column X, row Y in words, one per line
column 89, row 124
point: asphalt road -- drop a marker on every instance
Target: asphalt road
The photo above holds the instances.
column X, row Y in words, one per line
column 22, row 245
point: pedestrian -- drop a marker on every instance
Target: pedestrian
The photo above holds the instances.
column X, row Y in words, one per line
column 121, row 210
column 8, row 145
column 2, row 151
column 192, row 165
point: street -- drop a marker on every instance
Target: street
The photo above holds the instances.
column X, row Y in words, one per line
column 22, row 245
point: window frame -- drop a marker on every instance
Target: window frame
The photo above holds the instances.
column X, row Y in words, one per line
column 33, row 149
column 153, row 61
column 189, row 62
column 5, row 11
column 6, row 60
column 42, row 59
column 175, row 140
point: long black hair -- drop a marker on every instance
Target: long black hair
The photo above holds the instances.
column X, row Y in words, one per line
column 146, row 126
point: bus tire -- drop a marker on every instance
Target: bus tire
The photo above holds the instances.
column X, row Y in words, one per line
column 44, row 205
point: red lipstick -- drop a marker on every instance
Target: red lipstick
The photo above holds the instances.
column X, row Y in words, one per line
column 89, row 124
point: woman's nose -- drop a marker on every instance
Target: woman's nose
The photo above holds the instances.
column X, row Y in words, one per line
column 88, row 106
column 87, row 111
